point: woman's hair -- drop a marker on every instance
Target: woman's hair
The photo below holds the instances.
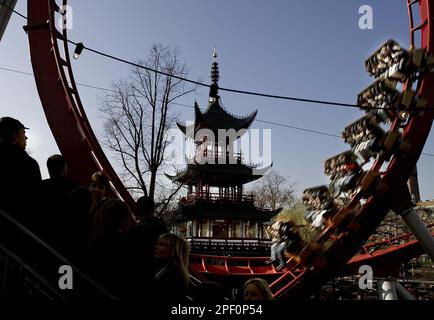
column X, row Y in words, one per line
column 101, row 179
column 178, row 253
column 112, row 217
column 262, row 286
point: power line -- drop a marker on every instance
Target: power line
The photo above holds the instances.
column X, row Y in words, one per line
column 278, row 124
column 266, row 95
column 190, row 107
column 13, row 10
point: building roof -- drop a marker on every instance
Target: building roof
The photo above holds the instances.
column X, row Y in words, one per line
column 224, row 210
column 219, row 175
column 216, row 116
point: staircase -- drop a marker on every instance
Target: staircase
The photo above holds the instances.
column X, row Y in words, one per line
column 29, row 268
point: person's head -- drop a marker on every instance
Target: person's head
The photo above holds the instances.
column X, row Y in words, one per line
column 173, row 249
column 98, row 185
column 13, row 131
column 145, row 207
column 56, row 165
column 112, row 217
column 257, row 289
column 81, row 199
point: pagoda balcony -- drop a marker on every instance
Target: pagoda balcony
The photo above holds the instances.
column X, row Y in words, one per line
column 218, row 198
column 217, row 157
column 230, row 246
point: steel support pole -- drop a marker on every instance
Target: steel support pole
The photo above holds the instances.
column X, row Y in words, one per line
column 403, row 293
column 405, row 208
column 420, row 231
column 5, row 14
column 387, row 290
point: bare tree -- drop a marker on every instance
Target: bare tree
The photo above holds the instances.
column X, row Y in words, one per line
column 137, row 116
column 274, row 191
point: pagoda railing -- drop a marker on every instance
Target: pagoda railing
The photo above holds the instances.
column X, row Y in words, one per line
column 232, row 245
column 218, row 198
column 217, row 157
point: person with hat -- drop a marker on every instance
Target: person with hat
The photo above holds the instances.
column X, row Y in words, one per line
column 19, row 173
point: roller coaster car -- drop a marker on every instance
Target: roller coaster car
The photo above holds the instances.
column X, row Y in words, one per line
column 309, row 253
column 338, row 219
column 383, row 114
column 382, row 92
column 370, row 181
column 361, row 130
column 367, row 150
column 421, row 59
column 389, row 142
column 353, row 226
column 386, row 56
column 393, row 62
column 345, row 183
column 341, row 165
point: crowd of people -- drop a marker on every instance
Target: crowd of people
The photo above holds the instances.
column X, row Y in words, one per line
column 129, row 252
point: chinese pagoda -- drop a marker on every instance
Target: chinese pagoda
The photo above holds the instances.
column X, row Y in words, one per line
column 215, row 216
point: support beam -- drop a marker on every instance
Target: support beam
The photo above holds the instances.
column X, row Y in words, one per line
column 403, row 294
column 413, row 185
column 404, row 207
column 387, row 290
column 420, row 231
column 5, row 14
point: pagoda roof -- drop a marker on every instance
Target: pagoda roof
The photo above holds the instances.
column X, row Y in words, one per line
column 219, row 174
column 224, row 210
column 216, row 117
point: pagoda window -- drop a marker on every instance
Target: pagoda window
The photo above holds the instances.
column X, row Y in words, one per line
column 235, row 229
column 251, row 229
column 264, row 233
column 203, row 227
column 194, row 228
column 189, row 227
column 219, row 229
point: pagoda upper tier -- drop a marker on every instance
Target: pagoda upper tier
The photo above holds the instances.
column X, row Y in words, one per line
column 215, row 116
column 219, row 175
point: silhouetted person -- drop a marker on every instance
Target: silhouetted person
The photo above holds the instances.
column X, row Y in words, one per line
column 99, row 185
column 141, row 242
column 19, row 173
column 145, row 233
column 54, row 192
column 107, row 245
column 78, row 225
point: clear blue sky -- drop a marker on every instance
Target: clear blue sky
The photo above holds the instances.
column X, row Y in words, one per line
column 311, row 49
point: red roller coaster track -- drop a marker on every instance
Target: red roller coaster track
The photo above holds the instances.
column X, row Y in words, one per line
column 384, row 257
column 76, row 140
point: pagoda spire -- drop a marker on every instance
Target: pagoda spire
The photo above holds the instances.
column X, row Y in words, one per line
column 215, row 76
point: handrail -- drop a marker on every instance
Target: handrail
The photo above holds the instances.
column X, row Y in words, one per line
column 248, row 260
column 52, row 251
column 390, row 240
column 32, row 271
column 206, row 256
column 216, row 197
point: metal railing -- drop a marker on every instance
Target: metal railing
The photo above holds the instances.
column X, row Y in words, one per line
column 30, row 267
column 219, row 198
